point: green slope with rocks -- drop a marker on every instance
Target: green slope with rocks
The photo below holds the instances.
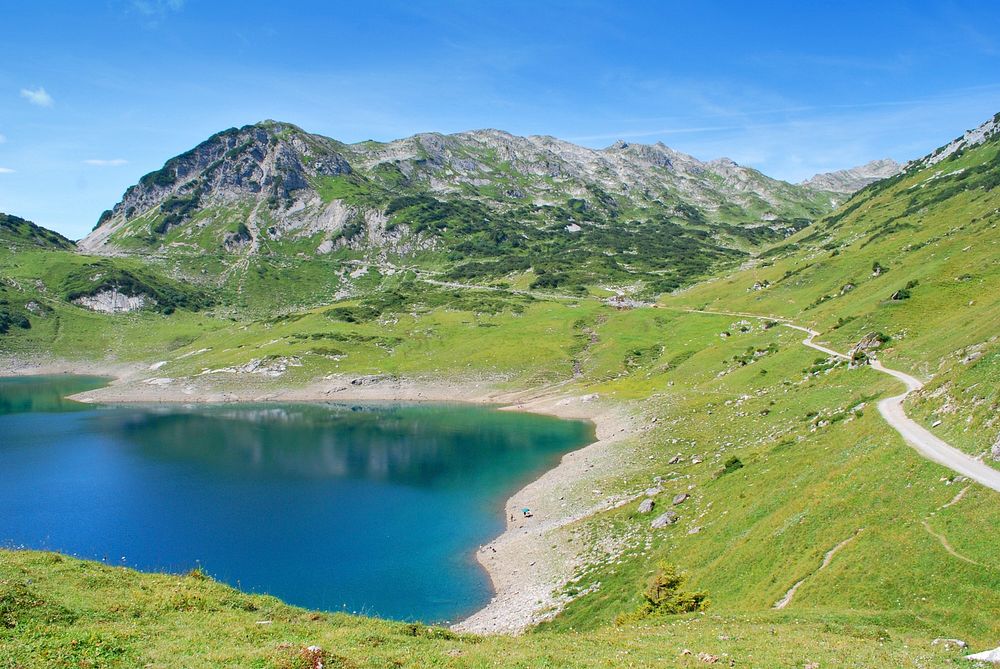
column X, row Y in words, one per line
column 815, row 532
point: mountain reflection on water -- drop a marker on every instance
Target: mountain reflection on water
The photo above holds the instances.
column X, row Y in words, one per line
column 420, row 445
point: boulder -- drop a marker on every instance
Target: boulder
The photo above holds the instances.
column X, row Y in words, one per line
column 950, row 643
column 861, row 353
column 679, row 499
column 870, row 342
column 986, row 656
column 646, row 505
column 995, row 451
column 369, row 380
column 665, row 519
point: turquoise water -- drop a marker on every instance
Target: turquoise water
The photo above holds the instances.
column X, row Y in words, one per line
column 373, row 508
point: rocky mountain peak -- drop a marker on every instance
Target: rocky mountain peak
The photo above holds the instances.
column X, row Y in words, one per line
column 854, row 179
column 269, row 160
column 277, row 178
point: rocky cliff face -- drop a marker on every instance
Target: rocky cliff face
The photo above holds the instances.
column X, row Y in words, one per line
column 273, row 182
column 854, row 179
column 269, row 163
column 983, row 133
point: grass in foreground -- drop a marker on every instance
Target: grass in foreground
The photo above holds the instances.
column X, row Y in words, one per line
column 57, row 611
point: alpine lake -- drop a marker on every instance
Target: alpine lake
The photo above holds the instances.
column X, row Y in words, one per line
column 373, row 508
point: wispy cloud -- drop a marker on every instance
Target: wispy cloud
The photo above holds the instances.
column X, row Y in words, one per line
column 6, row 170
column 153, row 7
column 637, row 134
column 154, row 11
column 794, row 141
column 37, row 96
column 99, row 162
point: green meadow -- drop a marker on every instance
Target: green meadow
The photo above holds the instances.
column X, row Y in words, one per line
column 819, row 473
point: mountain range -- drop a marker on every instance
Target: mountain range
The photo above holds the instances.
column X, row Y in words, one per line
column 477, row 206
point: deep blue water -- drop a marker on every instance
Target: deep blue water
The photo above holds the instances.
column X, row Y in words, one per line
column 374, row 508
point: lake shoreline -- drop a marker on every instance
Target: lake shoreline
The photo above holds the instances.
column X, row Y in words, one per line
column 525, row 564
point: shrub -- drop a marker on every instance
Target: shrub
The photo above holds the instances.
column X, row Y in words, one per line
column 664, row 595
column 356, row 314
column 11, row 317
column 731, row 465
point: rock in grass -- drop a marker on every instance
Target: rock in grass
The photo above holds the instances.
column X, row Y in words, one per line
column 646, row 505
column 663, row 520
column 679, row 499
column 950, row 643
column 986, row 656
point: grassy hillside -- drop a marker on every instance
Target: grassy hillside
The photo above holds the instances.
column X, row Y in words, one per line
column 792, row 477
column 37, row 293
column 126, row 619
column 17, row 233
column 932, row 233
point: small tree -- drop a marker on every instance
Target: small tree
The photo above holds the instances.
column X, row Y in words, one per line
column 664, row 595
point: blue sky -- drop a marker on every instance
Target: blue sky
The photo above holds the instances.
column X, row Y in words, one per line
column 95, row 94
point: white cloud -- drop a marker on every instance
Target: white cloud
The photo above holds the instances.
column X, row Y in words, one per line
column 6, row 170
column 98, row 162
column 37, row 96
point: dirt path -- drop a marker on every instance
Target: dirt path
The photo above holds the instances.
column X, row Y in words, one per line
column 827, row 559
column 944, row 544
column 891, row 409
column 917, row 436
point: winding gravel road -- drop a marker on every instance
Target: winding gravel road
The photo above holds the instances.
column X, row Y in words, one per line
column 891, row 408
column 928, row 445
